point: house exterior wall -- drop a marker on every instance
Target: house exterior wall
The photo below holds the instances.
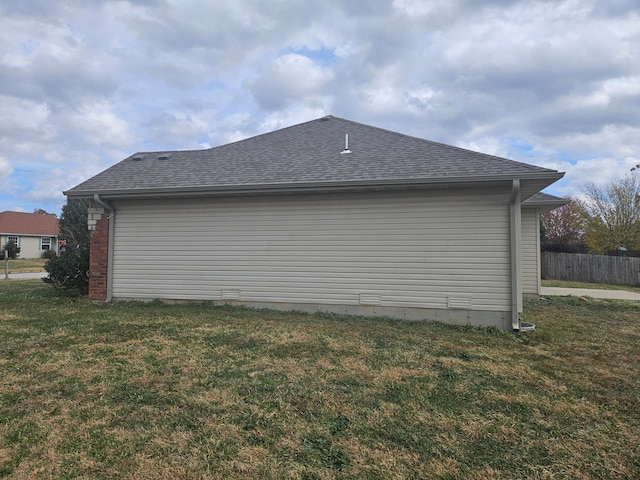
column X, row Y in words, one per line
column 30, row 246
column 530, row 251
column 439, row 255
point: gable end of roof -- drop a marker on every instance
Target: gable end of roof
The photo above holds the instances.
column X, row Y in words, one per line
column 307, row 156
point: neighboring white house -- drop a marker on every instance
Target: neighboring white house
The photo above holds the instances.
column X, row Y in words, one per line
column 328, row 215
column 34, row 233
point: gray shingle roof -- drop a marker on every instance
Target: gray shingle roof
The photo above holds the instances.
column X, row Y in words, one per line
column 546, row 201
column 306, row 154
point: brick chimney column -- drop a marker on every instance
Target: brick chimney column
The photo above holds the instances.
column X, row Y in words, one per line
column 99, row 253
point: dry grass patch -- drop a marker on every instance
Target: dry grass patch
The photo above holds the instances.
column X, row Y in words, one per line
column 25, row 265
column 194, row 391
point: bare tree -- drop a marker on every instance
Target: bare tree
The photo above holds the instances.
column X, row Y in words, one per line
column 614, row 215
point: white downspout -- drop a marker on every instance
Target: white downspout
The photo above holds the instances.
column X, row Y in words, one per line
column 515, row 214
column 539, row 265
column 112, row 216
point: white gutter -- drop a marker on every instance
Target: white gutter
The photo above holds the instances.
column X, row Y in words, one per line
column 515, row 216
column 296, row 187
column 112, row 216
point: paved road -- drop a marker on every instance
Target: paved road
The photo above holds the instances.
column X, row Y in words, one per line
column 593, row 293
column 21, row 276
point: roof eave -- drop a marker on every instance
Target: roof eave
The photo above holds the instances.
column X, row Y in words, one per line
column 545, row 205
column 29, row 234
column 547, row 178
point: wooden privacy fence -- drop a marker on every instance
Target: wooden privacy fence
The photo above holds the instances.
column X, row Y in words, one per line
column 581, row 267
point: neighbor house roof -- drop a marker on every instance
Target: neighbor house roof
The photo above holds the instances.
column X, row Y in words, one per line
column 20, row 223
column 308, row 156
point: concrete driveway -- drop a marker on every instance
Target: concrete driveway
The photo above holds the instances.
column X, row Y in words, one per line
column 593, row 293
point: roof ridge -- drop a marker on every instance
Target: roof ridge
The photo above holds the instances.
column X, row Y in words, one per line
column 29, row 213
column 252, row 137
column 235, row 141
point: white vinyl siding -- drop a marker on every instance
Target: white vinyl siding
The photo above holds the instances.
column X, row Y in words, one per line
column 530, row 251
column 421, row 249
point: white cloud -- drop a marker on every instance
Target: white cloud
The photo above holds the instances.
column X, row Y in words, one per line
column 25, row 118
column 98, row 124
column 617, row 140
column 48, row 186
column 490, row 145
column 291, row 116
column 289, row 78
column 5, row 169
column 601, row 171
column 417, row 8
column 84, row 84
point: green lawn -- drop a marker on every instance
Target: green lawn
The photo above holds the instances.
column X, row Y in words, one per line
column 146, row 391
column 24, row 265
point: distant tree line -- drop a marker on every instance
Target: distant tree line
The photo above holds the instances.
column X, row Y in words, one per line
column 603, row 220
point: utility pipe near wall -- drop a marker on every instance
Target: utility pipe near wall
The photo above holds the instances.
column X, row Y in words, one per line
column 515, row 213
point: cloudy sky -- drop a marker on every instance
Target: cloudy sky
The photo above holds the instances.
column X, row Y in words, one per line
column 85, row 83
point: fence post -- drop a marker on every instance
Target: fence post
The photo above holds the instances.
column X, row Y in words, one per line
column 6, row 264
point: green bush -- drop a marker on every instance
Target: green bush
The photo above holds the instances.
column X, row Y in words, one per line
column 48, row 254
column 12, row 250
column 70, row 270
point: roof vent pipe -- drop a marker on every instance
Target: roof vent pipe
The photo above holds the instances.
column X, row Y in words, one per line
column 346, row 145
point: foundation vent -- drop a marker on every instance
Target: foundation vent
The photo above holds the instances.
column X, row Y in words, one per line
column 370, row 299
column 459, row 301
column 230, row 294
